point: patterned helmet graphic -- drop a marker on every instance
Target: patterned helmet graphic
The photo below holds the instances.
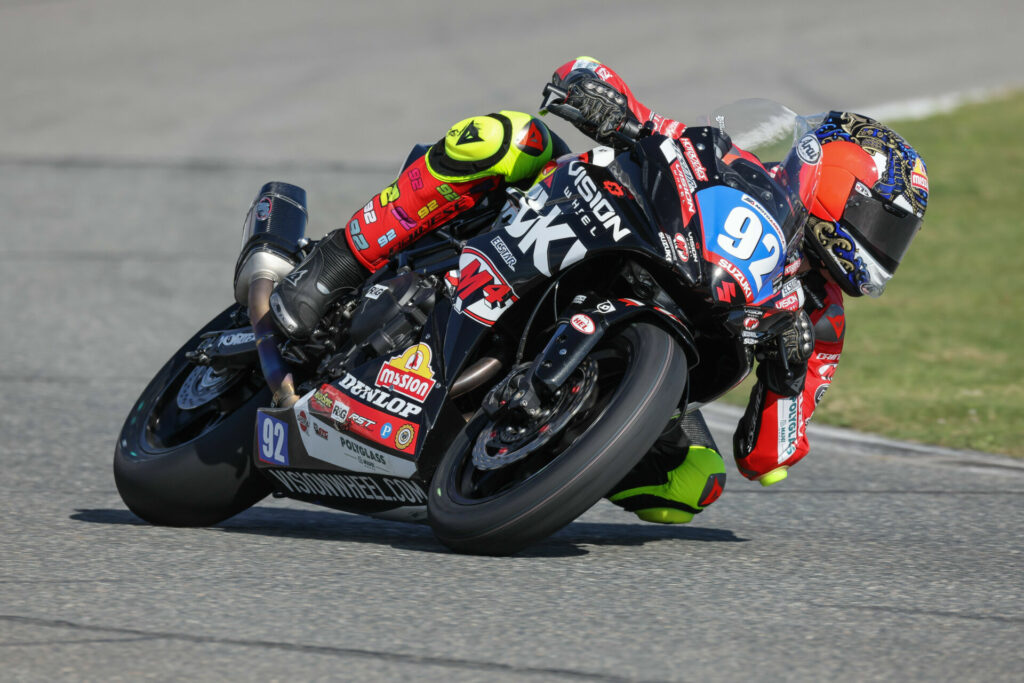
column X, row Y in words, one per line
column 869, row 204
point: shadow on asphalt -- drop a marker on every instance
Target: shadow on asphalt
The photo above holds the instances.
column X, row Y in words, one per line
column 328, row 525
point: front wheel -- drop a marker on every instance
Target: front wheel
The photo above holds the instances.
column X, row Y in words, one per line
column 506, row 482
column 184, row 457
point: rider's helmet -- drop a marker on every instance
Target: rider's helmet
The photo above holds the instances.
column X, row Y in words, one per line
column 869, row 203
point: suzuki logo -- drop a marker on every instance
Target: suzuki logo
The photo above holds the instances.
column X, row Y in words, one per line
column 726, row 291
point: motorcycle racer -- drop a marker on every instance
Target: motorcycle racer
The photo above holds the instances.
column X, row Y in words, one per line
column 869, row 205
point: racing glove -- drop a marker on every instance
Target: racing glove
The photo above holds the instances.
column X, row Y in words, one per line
column 783, row 359
column 604, row 110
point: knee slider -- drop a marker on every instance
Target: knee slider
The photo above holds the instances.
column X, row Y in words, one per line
column 509, row 144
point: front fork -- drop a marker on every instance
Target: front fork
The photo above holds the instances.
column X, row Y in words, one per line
column 586, row 321
column 579, row 329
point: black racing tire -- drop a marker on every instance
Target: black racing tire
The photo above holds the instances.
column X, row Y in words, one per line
column 179, row 467
column 633, row 415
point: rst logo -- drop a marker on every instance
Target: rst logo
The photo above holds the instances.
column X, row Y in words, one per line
column 482, row 292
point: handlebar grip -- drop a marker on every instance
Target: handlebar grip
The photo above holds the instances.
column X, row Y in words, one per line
column 553, row 96
column 567, row 112
column 630, row 131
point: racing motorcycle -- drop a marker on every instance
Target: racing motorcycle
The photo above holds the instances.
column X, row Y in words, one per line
column 502, row 374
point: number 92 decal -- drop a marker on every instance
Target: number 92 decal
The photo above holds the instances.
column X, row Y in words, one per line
column 272, row 440
column 752, row 245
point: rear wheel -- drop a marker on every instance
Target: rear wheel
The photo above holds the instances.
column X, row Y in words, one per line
column 511, row 479
column 184, row 457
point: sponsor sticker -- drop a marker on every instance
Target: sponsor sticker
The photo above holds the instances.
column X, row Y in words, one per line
column 372, row 424
column 236, row 338
column 600, row 207
column 682, row 250
column 504, row 252
column 737, row 275
column 481, row 292
column 263, row 208
column 790, row 286
column 808, row 149
column 685, row 190
column 405, row 436
column 584, row 323
column 666, row 247
column 409, row 373
column 345, row 449
column 789, row 303
column 789, row 426
column 320, row 403
column 339, row 411
column 614, row 188
column 793, row 266
column 691, row 157
column 351, row 486
column 360, row 420
column 587, row 64
column 757, row 206
column 396, row 405
column 918, row 177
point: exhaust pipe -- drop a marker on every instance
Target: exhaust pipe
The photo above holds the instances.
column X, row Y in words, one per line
column 275, row 369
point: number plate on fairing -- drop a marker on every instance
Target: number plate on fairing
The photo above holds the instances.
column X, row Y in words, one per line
column 741, row 237
column 272, row 440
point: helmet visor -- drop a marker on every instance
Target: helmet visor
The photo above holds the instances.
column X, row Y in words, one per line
column 882, row 228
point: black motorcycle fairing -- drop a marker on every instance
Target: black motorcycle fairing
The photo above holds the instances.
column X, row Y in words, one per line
column 580, row 213
column 587, row 320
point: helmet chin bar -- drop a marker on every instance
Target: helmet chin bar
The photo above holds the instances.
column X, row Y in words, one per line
column 877, row 276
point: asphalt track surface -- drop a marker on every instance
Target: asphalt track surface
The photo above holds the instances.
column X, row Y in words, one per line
column 131, row 140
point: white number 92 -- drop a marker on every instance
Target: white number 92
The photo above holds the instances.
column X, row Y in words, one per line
column 743, row 232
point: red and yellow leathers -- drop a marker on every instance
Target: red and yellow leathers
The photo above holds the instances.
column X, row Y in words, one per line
column 477, row 156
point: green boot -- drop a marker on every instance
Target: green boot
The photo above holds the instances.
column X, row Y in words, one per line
column 670, row 488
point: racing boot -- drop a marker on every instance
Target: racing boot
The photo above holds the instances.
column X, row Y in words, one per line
column 677, row 479
column 300, row 300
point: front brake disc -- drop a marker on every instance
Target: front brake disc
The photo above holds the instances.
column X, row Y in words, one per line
column 511, row 436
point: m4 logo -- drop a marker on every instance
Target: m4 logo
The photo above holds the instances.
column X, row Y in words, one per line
column 481, row 292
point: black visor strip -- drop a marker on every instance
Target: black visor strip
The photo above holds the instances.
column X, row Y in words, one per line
column 880, row 227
